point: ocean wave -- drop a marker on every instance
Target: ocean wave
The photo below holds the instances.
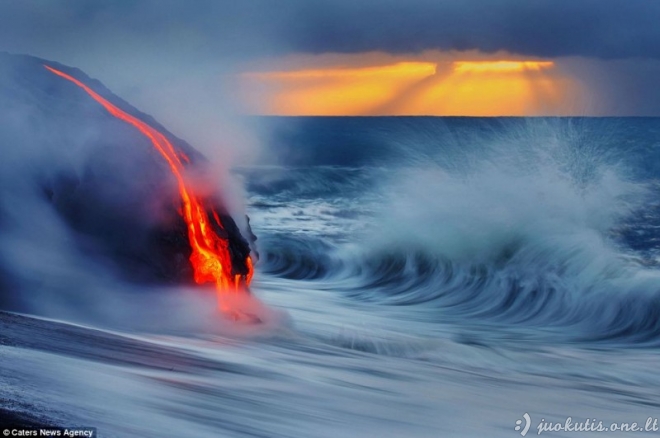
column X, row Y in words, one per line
column 523, row 286
column 298, row 258
column 522, row 240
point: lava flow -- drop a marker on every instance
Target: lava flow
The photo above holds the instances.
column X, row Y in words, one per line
column 210, row 257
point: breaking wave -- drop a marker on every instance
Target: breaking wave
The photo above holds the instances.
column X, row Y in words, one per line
column 544, row 233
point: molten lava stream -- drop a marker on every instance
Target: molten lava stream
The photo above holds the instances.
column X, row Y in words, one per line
column 210, row 256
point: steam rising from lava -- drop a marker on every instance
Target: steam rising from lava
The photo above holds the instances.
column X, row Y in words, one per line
column 210, row 258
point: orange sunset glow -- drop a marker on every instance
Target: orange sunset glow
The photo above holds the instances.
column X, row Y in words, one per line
column 453, row 88
column 500, row 66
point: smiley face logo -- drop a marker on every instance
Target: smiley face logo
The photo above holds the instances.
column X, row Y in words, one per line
column 525, row 427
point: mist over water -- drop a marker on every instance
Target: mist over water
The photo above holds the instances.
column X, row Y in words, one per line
column 523, row 252
column 419, row 276
column 414, row 276
column 527, row 224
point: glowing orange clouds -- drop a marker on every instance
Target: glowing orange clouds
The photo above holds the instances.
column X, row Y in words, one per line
column 332, row 91
column 401, row 69
column 448, row 88
column 500, row 66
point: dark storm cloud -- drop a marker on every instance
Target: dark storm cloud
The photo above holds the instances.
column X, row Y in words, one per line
column 170, row 57
column 550, row 28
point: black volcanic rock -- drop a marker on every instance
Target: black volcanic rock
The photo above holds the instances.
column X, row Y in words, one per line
column 66, row 159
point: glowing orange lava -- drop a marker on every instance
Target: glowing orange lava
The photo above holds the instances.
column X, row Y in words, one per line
column 210, row 258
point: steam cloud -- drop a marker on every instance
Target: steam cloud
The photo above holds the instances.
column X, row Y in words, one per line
column 85, row 203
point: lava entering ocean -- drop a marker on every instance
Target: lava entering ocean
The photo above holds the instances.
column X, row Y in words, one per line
column 210, row 258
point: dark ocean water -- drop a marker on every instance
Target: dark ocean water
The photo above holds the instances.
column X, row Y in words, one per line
column 549, row 228
column 431, row 277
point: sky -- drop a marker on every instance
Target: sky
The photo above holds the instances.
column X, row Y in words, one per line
column 198, row 64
